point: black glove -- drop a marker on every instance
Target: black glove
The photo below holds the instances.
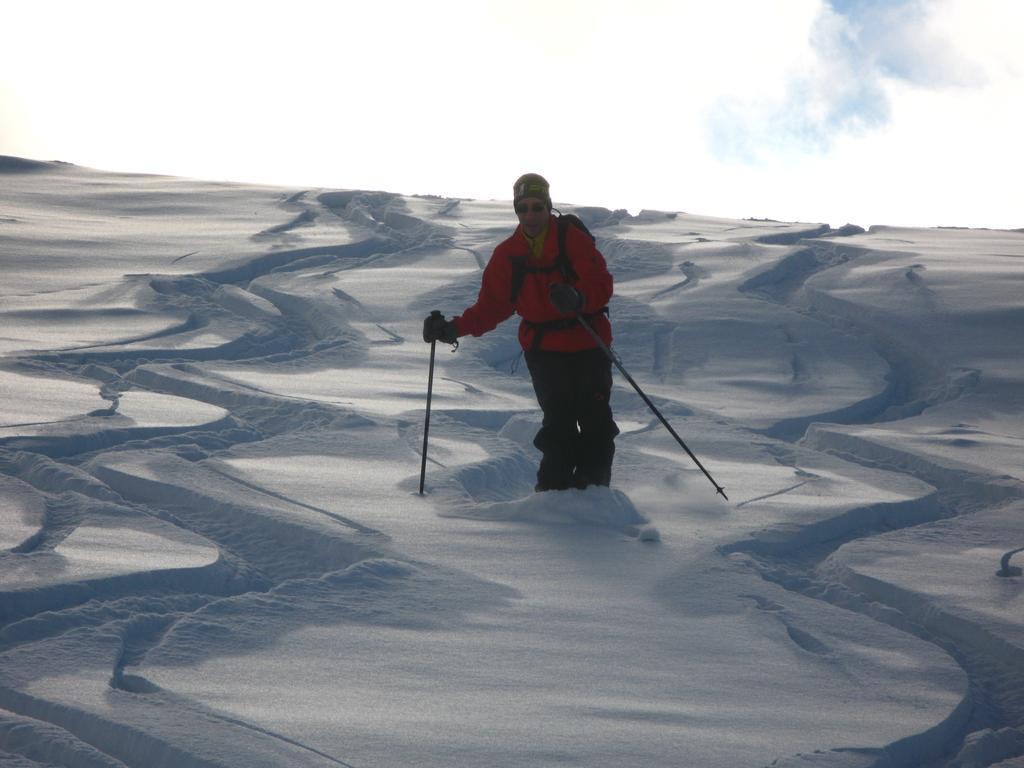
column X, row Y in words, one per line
column 566, row 299
column 436, row 328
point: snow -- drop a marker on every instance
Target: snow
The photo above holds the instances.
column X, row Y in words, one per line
column 106, row 550
column 214, row 552
column 21, row 512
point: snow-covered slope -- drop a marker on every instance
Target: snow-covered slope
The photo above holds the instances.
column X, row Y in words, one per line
column 214, row 553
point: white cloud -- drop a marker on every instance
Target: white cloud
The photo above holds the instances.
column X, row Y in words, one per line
column 857, row 47
column 741, row 107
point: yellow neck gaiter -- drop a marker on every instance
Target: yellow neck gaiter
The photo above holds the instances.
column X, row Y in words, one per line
column 536, row 243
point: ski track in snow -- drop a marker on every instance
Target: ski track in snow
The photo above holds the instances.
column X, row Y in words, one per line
column 273, row 472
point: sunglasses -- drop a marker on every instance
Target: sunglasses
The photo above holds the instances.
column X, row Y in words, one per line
column 534, row 207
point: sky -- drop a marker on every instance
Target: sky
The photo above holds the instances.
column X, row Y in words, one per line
column 786, row 109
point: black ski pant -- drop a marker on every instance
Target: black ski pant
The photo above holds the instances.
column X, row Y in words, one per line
column 577, row 438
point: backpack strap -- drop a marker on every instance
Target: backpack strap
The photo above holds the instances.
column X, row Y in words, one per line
column 562, row 260
column 521, row 267
column 562, row 324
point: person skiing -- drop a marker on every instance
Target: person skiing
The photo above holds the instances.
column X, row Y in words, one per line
column 531, row 274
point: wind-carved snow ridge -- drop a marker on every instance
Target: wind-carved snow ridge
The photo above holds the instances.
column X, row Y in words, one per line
column 214, row 552
column 784, row 278
column 926, row 376
column 224, row 323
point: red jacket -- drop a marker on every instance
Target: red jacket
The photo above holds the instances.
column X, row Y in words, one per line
column 494, row 304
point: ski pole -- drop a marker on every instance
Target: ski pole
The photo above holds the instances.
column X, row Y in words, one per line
column 426, row 422
column 618, row 364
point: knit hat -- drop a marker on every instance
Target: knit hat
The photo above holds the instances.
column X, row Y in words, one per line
column 531, row 185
